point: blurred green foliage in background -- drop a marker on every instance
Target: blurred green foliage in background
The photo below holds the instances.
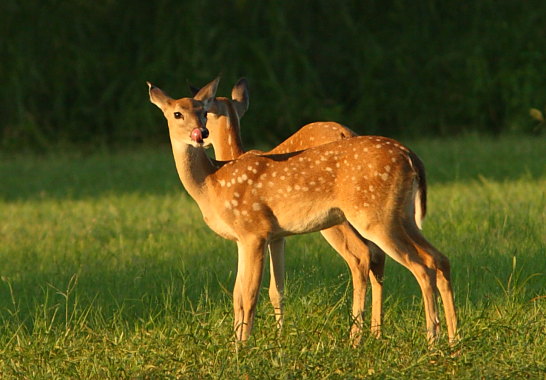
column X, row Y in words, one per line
column 74, row 71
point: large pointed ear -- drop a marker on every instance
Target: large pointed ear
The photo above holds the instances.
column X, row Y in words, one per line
column 158, row 97
column 207, row 93
column 240, row 97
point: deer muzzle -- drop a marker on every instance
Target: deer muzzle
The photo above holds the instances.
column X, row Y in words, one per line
column 198, row 134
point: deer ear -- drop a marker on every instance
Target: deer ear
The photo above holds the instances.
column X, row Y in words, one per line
column 194, row 90
column 240, row 97
column 158, row 97
column 207, row 93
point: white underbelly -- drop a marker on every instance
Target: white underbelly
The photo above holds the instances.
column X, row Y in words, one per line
column 300, row 220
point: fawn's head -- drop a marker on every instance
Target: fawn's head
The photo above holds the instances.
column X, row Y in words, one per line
column 186, row 117
column 224, row 114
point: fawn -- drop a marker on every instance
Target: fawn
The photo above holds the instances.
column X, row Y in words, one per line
column 223, row 123
column 369, row 182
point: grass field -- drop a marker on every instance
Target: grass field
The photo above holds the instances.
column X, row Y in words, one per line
column 108, row 271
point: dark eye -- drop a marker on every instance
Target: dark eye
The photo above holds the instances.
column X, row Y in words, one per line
column 178, row 115
column 205, row 115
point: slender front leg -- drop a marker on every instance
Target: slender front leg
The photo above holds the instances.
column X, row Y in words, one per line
column 247, row 285
column 276, row 281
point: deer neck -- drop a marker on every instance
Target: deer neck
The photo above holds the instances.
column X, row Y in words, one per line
column 193, row 167
column 226, row 138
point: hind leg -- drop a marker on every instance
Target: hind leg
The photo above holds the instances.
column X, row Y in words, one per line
column 352, row 247
column 443, row 280
column 396, row 243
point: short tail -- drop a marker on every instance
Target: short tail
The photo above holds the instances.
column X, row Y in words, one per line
column 421, row 192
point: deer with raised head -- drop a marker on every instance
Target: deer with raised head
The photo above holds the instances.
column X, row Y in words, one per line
column 369, row 182
column 223, row 123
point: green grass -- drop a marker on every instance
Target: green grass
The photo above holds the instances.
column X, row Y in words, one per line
column 108, row 271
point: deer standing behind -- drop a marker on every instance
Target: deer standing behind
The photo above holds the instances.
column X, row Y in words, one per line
column 369, row 182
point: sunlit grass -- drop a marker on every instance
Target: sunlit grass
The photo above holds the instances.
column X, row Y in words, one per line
column 108, row 271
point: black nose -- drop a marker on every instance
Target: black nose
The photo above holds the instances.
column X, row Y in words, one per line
column 204, row 132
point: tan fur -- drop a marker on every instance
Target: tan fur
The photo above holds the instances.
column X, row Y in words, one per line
column 329, row 185
column 224, row 126
column 360, row 255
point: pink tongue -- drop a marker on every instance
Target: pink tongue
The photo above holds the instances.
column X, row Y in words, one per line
column 196, row 135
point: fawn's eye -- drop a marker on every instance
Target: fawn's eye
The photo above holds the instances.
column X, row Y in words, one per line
column 178, row 115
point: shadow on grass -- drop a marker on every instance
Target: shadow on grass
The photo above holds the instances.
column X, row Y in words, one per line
column 152, row 171
column 137, row 292
column 73, row 176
